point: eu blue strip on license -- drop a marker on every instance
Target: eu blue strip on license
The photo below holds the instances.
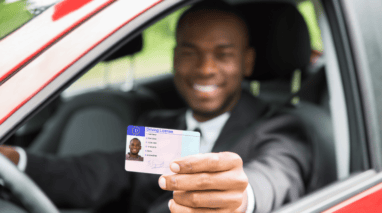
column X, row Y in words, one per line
column 158, row 148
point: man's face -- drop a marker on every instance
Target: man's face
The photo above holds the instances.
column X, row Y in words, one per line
column 210, row 60
column 135, row 146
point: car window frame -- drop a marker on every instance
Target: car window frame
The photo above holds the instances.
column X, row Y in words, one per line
column 357, row 20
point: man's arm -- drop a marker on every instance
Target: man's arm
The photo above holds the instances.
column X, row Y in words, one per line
column 81, row 181
column 281, row 162
column 85, row 181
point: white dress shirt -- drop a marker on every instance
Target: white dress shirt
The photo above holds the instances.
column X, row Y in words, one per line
column 22, row 158
column 210, row 131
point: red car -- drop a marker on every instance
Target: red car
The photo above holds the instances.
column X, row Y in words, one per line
column 44, row 100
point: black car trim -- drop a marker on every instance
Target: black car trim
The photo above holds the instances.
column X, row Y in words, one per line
column 360, row 160
column 366, row 91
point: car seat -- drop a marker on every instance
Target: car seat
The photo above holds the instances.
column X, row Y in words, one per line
column 95, row 121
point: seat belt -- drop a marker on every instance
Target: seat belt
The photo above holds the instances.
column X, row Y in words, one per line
column 311, row 80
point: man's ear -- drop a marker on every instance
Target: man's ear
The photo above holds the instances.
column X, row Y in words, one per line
column 249, row 62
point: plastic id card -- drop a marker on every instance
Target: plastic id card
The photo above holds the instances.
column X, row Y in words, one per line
column 151, row 150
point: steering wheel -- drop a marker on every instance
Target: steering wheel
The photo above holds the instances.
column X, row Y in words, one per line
column 24, row 189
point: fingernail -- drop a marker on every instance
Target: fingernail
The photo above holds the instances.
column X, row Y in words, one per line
column 162, row 182
column 175, row 167
column 169, row 204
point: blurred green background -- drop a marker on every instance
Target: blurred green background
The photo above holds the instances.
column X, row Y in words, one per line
column 154, row 59
column 12, row 15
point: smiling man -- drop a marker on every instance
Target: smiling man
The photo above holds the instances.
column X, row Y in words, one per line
column 135, row 147
column 256, row 164
column 247, row 163
column 211, row 59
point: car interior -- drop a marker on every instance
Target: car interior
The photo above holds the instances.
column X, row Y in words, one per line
column 97, row 120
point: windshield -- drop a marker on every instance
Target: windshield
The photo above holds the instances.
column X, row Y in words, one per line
column 15, row 13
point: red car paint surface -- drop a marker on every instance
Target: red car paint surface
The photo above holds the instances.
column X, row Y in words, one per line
column 367, row 201
column 65, row 7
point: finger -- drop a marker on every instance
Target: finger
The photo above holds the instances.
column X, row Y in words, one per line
column 230, row 180
column 209, row 199
column 177, row 208
column 209, row 162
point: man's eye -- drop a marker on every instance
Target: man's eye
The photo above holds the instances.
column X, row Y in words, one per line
column 223, row 55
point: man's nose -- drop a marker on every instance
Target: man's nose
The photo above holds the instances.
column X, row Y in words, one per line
column 207, row 64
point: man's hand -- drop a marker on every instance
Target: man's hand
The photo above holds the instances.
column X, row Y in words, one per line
column 213, row 182
column 10, row 153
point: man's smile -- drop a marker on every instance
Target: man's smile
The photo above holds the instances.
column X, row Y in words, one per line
column 205, row 88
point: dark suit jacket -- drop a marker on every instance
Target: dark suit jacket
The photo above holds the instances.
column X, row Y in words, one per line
column 276, row 155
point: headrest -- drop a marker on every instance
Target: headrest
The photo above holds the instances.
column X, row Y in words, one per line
column 281, row 39
column 130, row 48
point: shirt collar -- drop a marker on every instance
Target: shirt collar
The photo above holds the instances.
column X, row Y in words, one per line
column 210, row 129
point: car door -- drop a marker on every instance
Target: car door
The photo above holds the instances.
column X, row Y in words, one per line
column 353, row 43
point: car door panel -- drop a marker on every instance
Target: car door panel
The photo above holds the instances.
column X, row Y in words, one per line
column 367, row 201
column 333, row 194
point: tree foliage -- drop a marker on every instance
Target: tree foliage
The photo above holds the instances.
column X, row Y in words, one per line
column 12, row 16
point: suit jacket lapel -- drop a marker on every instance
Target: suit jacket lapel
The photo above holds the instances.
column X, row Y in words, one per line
column 181, row 121
column 247, row 110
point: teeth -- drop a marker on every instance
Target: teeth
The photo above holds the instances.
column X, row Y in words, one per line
column 205, row 88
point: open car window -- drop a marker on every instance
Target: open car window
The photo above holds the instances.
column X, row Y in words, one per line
column 155, row 58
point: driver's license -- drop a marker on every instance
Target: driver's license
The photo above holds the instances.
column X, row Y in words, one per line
column 151, row 149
